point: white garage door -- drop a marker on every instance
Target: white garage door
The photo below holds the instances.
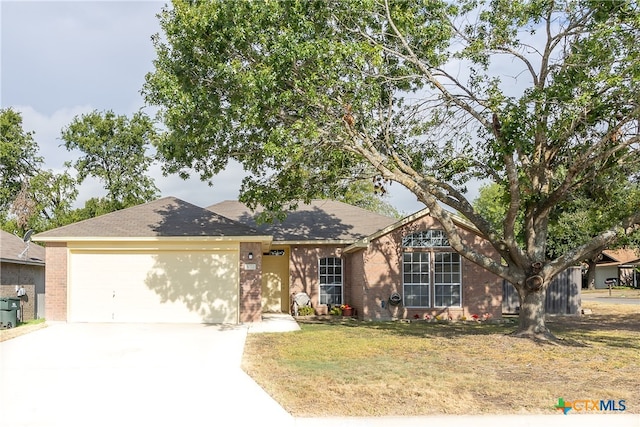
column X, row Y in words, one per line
column 161, row 286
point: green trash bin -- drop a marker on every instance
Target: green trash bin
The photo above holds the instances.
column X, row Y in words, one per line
column 9, row 303
column 8, row 318
column 9, row 312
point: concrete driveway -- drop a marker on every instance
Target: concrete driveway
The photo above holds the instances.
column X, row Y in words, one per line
column 131, row 375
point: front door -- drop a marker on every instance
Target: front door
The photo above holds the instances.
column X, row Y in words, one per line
column 275, row 281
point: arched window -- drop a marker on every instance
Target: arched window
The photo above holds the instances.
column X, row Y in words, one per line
column 426, row 239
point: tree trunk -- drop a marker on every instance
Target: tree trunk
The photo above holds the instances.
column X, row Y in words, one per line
column 591, row 274
column 532, row 314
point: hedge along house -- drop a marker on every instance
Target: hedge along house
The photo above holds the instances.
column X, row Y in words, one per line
column 167, row 261
column 340, row 254
column 22, row 266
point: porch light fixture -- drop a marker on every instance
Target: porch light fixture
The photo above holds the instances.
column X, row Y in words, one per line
column 250, row 256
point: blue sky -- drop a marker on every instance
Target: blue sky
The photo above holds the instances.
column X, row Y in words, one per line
column 62, row 59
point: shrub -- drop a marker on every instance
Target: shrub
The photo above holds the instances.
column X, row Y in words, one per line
column 305, row 311
column 336, row 311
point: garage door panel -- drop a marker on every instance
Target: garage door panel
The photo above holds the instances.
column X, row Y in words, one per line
column 172, row 287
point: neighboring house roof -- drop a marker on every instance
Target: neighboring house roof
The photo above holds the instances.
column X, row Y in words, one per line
column 619, row 257
column 166, row 217
column 12, row 247
column 320, row 220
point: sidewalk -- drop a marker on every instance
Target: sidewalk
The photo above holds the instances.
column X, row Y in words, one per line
column 586, row 420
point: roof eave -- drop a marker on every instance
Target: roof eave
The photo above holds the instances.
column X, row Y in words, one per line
column 23, row 262
column 361, row 244
column 255, row 238
column 339, row 242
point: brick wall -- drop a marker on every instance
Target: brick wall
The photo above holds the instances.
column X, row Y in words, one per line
column 378, row 270
column 250, row 282
column 30, row 277
column 304, row 269
column 56, row 281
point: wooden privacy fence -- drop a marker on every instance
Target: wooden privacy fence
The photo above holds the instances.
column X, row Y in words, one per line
column 563, row 295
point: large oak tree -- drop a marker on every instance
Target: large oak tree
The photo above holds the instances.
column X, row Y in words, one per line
column 541, row 97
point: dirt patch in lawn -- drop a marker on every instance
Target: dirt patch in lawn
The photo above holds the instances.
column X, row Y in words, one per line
column 352, row 368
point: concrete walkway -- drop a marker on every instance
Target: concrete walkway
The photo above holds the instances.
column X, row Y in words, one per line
column 274, row 322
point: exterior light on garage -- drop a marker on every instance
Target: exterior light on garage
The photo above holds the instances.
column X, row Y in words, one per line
column 250, row 255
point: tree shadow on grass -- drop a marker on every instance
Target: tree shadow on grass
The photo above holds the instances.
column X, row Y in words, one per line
column 611, row 330
column 416, row 328
column 572, row 331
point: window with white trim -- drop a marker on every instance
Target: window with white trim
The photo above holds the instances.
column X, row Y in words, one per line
column 447, row 279
column 330, row 275
column 427, row 271
column 416, row 275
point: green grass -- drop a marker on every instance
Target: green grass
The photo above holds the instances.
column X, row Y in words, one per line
column 353, row 368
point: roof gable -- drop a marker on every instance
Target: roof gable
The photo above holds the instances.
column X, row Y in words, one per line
column 12, row 246
column 166, row 217
column 319, row 220
column 364, row 242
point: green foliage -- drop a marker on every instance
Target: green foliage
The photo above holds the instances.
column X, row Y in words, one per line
column 18, row 157
column 113, row 150
column 276, row 102
column 335, row 311
column 306, row 311
column 573, row 222
column 492, row 204
column 30, row 197
column 364, row 195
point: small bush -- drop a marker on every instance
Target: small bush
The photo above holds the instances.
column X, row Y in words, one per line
column 305, row 311
column 336, row 311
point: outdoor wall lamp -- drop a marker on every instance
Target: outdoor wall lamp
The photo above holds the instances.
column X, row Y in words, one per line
column 250, row 256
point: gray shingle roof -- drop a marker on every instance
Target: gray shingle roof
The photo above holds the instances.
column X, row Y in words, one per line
column 318, row 220
column 166, row 217
column 12, row 246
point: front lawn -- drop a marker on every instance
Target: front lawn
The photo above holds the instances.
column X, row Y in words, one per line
column 353, row 368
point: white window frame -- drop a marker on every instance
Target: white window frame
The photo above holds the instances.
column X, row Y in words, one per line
column 454, row 277
column 415, row 271
column 331, row 276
